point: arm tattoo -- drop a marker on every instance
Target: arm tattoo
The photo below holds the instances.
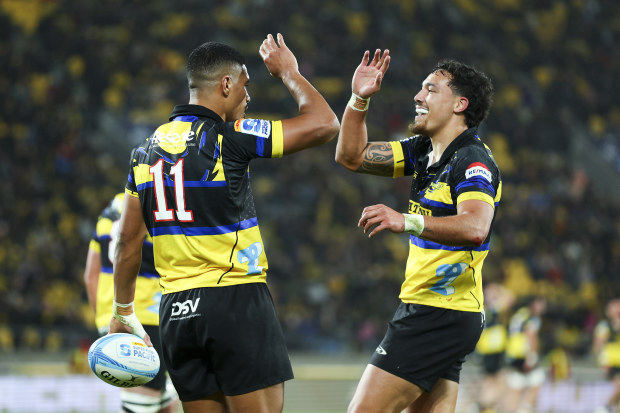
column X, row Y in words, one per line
column 378, row 160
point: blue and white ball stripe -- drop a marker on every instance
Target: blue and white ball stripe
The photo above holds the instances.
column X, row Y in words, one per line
column 123, row 360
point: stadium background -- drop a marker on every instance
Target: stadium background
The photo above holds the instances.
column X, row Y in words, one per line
column 82, row 81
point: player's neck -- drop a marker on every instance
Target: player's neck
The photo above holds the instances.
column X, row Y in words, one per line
column 211, row 104
column 444, row 137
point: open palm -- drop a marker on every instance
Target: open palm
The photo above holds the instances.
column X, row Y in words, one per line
column 368, row 75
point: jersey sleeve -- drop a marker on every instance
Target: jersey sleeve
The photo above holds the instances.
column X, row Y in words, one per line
column 94, row 245
column 131, row 187
column 255, row 138
column 406, row 153
column 476, row 176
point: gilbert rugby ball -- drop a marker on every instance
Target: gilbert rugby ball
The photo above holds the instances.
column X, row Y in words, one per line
column 123, row 360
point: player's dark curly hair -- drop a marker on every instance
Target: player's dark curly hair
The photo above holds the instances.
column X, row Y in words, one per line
column 468, row 82
column 208, row 59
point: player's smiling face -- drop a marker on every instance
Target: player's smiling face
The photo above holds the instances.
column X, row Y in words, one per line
column 239, row 94
column 434, row 104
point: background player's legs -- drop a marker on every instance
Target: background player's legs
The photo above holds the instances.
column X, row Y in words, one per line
column 380, row 391
column 441, row 399
column 612, row 403
column 147, row 400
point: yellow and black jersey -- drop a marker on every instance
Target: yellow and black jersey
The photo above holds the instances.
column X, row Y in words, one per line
column 522, row 322
column 610, row 354
column 192, row 179
column 442, row 275
column 148, row 292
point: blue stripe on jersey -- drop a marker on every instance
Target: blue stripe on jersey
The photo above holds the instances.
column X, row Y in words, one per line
column 104, row 237
column 478, row 182
column 436, row 204
column 194, row 184
column 430, row 245
column 203, row 139
column 186, row 118
column 260, row 146
column 216, row 152
column 203, row 183
column 110, row 270
column 189, row 232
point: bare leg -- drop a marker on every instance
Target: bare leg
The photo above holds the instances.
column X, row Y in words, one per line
column 380, row 391
column 441, row 399
column 212, row 404
column 267, row 400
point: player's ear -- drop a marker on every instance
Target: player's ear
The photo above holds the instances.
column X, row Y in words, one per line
column 461, row 104
column 226, row 85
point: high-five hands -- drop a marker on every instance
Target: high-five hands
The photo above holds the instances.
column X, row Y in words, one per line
column 368, row 76
column 277, row 56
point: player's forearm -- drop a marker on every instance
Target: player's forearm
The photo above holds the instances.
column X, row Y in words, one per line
column 315, row 113
column 352, row 139
column 126, row 268
column 458, row 230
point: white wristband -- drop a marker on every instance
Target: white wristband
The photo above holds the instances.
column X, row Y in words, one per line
column 130, row 320
column 359, row 103
column 414, row 224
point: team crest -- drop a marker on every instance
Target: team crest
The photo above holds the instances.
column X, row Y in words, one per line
column 478, row 169
column 256, row 127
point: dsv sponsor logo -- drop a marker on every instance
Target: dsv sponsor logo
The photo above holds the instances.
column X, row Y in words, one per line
column 183, row 308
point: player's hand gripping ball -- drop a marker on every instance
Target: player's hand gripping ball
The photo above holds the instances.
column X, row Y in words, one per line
column 123, row 360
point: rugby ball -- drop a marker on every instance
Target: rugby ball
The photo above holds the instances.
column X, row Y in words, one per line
column 123, row 360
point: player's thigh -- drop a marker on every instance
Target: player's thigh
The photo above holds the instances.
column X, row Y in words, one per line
column 267, row 400
column 380, row 391
column 212, row 404
column 441, row 399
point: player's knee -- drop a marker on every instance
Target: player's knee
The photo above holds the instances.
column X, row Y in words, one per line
column 142, row 403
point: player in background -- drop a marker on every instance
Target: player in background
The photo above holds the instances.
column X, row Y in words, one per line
column 525, row 375
column 492, row 345
column 455, row 188
column 189, row 188
column 606, row 347
column 158, row 395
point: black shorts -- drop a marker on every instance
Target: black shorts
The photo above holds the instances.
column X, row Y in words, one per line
column 223, row 339
column 492, row 363
column 159, row 381
column 424, row 344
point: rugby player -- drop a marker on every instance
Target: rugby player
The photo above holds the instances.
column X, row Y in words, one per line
column 189, row 188
column 455, row 189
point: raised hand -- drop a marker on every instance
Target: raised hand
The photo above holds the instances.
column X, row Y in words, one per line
column 277, row 56
column 368, row 75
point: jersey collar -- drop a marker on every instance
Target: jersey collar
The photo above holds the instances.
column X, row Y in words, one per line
column 194, row 110
column 463, row 139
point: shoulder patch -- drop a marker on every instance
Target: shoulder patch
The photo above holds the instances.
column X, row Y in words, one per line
column 478, row 169
column 257, row 127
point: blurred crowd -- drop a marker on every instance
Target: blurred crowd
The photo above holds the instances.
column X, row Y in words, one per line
column 84, row 81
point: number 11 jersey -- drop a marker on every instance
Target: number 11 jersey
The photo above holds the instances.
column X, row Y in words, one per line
column 192, row 179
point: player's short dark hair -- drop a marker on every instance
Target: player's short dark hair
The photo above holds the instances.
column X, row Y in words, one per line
column 471, row 83
column 208, row 59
